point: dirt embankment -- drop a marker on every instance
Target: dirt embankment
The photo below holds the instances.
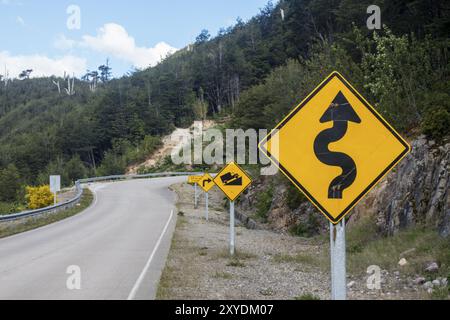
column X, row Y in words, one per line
column 173, row 141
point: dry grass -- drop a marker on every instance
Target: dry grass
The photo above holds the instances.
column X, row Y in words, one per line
column 365, row 248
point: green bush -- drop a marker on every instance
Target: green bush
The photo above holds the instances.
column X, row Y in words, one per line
column 294, row 197
column 75, row 169
column 264, row 203
column 9, row 184
column 436, row 123
column 125, row 153
column 7, row 208
column 307, row 229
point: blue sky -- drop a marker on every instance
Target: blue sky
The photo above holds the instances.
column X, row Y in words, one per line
column 134, row 33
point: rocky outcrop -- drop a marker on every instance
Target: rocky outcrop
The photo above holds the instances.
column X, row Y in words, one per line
column 280, row 217
column 415, row 192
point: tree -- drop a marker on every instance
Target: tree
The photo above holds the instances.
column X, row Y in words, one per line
column 200, row 106
column 25, row 74
column 9, row 184
column 75, row 169
column 105, row 72
column 203, row 37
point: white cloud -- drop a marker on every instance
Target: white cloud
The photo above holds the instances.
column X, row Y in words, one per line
column 112, row 39
column 64, row 43
column 20, row 21
column 41, row 65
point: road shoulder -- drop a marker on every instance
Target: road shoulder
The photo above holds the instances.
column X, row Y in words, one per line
column 200, row 267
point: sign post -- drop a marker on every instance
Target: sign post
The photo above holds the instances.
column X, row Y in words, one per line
column 194, row 180
column 337, row 254
column 232, row 233
column 206, row 183
column 335, row 147
column 195, row 195
column 55, row 186
column 206, row 209
column 232, row 180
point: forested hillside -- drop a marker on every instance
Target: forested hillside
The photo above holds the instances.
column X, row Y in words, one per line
column 255, row 71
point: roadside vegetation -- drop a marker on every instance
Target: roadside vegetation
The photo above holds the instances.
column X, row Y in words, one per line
column 10, row 228
column 418, row 245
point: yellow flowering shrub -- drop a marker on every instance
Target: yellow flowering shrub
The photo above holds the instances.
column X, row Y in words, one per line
column 39, row 197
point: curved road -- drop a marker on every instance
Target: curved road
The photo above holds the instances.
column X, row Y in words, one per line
column 120, row 245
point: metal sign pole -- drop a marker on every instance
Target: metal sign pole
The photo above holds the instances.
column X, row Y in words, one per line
column 337, row 254
column 232, row 228
column 195, row 195
column 206, row 200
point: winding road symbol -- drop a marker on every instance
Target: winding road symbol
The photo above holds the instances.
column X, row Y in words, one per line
column 340, row 112
column 334, row 147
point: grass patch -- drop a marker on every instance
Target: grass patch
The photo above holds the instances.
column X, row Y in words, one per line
column 165, row 283
column 223, row 275
column 307, row 296
column 172, row 275
column 365, row 248
column 238, row 254
column 203, row 252
column 441, row 293
column 301, row 258
column 10, row 228
column 236, row 263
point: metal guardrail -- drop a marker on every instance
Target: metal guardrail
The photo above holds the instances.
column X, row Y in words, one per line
column 70, row 203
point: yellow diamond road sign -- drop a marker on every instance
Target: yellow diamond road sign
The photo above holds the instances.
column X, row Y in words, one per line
column 206, row 182
column 335, row 147
column 194, row 179
column 232, row 180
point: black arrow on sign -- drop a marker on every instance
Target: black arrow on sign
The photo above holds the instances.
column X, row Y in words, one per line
column 340, row 112
column 206, row 181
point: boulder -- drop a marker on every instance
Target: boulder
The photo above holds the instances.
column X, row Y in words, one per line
column 419, row 280
column 428, row 285
column 403, row 262
column 432, row 267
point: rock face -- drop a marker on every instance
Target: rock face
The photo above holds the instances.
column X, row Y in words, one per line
column 415, row 192
column 280, row 217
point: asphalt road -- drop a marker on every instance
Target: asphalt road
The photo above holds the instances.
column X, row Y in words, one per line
column 118, row 247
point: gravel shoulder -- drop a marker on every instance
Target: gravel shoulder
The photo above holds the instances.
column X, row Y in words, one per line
column 267, row 265
column 199, row 265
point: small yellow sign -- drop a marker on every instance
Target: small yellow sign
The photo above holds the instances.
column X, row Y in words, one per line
column 206, row 182
column 232, row 180
column 194, row 179
column 335, row 147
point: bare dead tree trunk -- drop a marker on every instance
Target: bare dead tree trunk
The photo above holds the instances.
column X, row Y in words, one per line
column 56, row 83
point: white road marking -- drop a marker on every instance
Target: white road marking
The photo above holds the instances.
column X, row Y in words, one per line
column 149, row 261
